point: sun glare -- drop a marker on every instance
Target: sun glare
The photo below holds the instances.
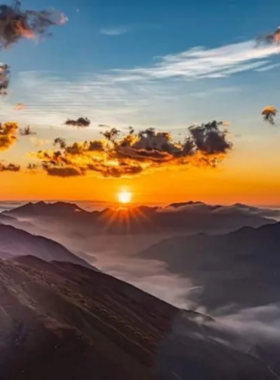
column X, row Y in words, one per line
column 124, row 196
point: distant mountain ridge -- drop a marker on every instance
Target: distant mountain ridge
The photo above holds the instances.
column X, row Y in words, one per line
column 60, row 320
column 45, row 207
column 177, row 217
column 15, row 242
column 241, row 268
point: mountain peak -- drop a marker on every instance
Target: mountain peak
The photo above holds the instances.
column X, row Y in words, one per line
column 46, row 208
column 188, row 203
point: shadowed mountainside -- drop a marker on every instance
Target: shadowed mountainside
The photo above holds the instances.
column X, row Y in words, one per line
column 15, row 242
column 242, row 267
column 59, row 320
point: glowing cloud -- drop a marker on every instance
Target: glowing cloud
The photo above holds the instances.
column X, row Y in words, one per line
column 271, row 38
column 16, row 24
column 115, row 156
column 8, row 134
column 269, row 114
column 9, row 167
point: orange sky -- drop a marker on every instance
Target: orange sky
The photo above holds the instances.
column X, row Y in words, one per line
column 250, row 174
column 254, row 185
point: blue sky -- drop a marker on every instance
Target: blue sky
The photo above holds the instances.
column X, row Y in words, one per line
column 87, row 68
column 153, row 28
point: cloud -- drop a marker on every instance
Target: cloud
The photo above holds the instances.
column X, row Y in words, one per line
column 27, row 131
column 269, row 114
column 60, row 142
column 32, row 167
column 199, row 63
column 270, row 39
column 40, row 142
column 254, row 331
column 63, row 172
column 80, row 122
column 192, row 209
column 19, row 106
column 132, row 154
column 153, row 278
column 155, row 94
column 199, row 216
column 114, row 31
column 17, row 24
column 9, row 167
column 8, row 134
column 4, row 78
column 209, row 139
column 269, row 67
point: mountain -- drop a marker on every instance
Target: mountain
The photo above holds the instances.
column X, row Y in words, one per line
column 15, row 242
column 21, row 224
column 6, row 218
column 43, row 208
column 241, row 268
column 177, row 218
column 63, row 321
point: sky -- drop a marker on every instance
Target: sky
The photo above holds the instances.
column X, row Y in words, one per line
column 162, row 64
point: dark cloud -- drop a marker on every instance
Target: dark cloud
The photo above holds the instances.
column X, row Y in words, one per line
column 4, row 78
column 103, row 126
column 32, row 167
column 80, row 122
column 209, row 139
column 8, row 134
column 95, row 146
column 131, row 154
column 270, row 38
column 9, row 167
column 111, row 134
column 16, row 24
column 60, row 142
column 63, row 171
column 119, row 171
column 269, row 114
column 27, row 131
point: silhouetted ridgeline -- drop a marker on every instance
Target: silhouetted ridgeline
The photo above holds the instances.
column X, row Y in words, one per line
column 176, row 218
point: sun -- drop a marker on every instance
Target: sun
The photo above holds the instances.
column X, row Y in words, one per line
column 124, row 196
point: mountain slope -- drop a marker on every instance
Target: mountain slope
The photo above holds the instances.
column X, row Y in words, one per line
column 242, row 267
column 63, row 321
column 15, row 242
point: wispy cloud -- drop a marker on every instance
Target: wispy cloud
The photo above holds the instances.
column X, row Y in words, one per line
column 153, row 95
column 199, row 63
column 269, row 67
column 123, row 29
column 114, row 31
column 40, row 142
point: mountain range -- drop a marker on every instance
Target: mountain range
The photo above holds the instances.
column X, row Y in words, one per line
column 177, row 218
column 61, row 315
column 61, row 320
column 240, row 268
